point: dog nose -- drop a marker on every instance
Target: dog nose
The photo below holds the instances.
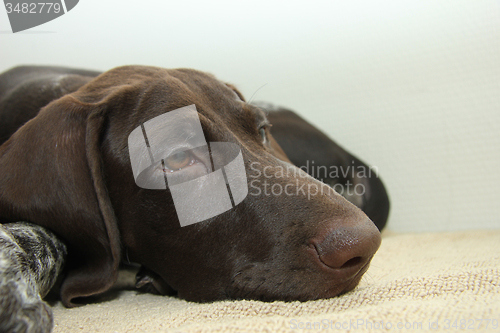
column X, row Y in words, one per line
column 348, row 247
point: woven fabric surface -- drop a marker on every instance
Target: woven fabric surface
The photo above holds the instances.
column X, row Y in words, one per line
column 433, row 281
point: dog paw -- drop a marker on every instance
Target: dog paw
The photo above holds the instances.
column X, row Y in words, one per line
column 23, row 313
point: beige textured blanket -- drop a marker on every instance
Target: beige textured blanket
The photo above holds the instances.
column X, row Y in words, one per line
column 416, row 282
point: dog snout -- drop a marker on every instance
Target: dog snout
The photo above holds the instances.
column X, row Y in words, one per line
column 347, row 250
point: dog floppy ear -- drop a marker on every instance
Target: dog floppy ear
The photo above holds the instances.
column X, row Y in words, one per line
column 51, row 175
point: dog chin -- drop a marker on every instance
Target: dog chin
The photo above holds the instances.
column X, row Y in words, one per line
column 269, row 292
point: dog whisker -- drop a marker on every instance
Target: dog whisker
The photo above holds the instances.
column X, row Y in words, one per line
column 250, row 100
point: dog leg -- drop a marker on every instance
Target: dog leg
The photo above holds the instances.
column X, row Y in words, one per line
column 31, row 258
column 150, row 282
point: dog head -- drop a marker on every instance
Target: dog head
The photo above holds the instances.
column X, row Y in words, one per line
column 70, row 169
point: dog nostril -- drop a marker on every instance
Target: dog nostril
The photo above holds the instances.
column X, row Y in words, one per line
column 352, row 262
column 348, row 246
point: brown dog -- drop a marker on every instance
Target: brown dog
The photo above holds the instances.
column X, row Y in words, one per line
column 68, row 169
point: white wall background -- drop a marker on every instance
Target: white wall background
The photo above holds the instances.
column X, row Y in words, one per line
column 412, row 87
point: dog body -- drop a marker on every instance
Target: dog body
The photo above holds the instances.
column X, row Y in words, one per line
column 65, row 166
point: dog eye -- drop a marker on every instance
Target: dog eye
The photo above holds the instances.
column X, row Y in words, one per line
column 263, row 135
column 263, row 129
column 178, row 161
